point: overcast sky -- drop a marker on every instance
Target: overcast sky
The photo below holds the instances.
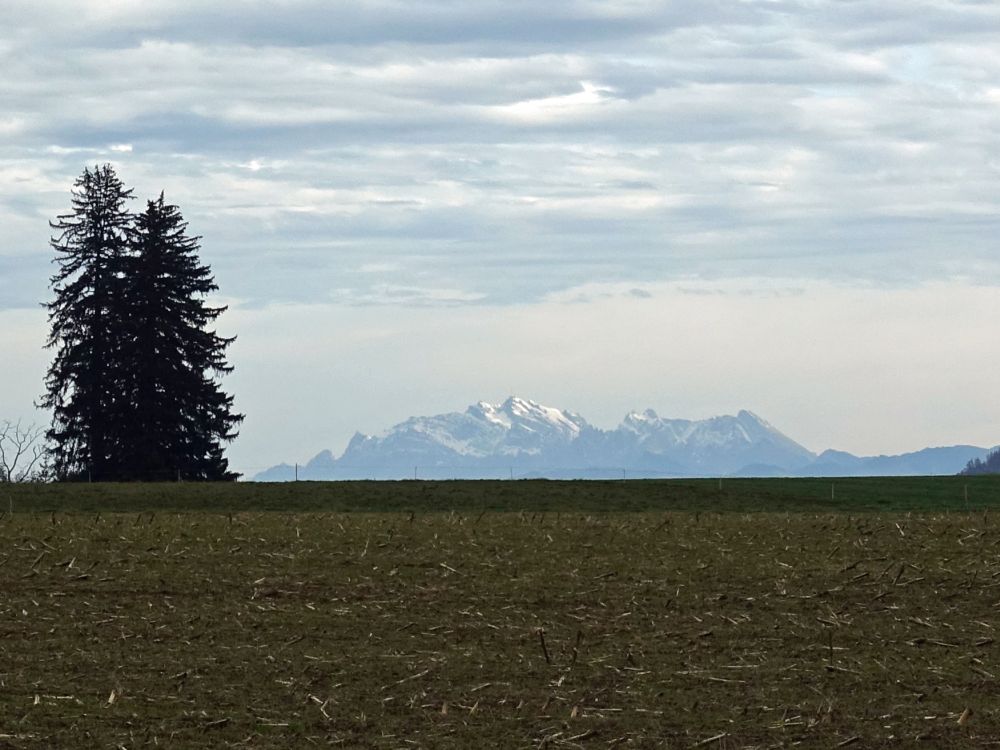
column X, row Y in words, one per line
column 787, row 206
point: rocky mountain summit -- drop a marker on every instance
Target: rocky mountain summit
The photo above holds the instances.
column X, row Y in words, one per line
column 522, row 438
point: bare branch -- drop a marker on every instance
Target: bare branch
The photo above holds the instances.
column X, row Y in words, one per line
column 21, row 451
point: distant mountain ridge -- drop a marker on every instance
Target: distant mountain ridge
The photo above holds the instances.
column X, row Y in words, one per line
column 522, row 438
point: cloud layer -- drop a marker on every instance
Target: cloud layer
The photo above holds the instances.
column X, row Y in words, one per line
column 504, row 151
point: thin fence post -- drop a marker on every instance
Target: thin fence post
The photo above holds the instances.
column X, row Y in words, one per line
column 296, row 472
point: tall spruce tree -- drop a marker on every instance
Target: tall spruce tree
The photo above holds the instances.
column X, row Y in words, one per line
column 179, row 416
column 86, row 319
column 133, row 385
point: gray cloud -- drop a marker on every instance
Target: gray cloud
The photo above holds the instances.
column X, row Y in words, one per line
column 517, row 24
column 502, row 151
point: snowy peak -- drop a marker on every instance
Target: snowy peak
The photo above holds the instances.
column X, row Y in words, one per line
column 520, row 429
column 754, row 423
column 521, row 435
column 746, row 429
column 490, row 413
column 523, row 438
column 523, row 414
column 515, row 427
column 641, row 421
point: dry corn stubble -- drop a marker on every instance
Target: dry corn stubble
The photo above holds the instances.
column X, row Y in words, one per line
column 513, row 630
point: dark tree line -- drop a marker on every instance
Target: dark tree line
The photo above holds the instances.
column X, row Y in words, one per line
column 133, row 385
column 990, row 466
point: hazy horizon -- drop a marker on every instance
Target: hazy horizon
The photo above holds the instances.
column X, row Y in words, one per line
column 789, row 207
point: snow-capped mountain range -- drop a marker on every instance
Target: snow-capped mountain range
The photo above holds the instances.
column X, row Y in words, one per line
column 522, row 438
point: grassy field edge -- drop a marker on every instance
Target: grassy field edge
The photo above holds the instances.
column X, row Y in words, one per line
column 841, row 494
